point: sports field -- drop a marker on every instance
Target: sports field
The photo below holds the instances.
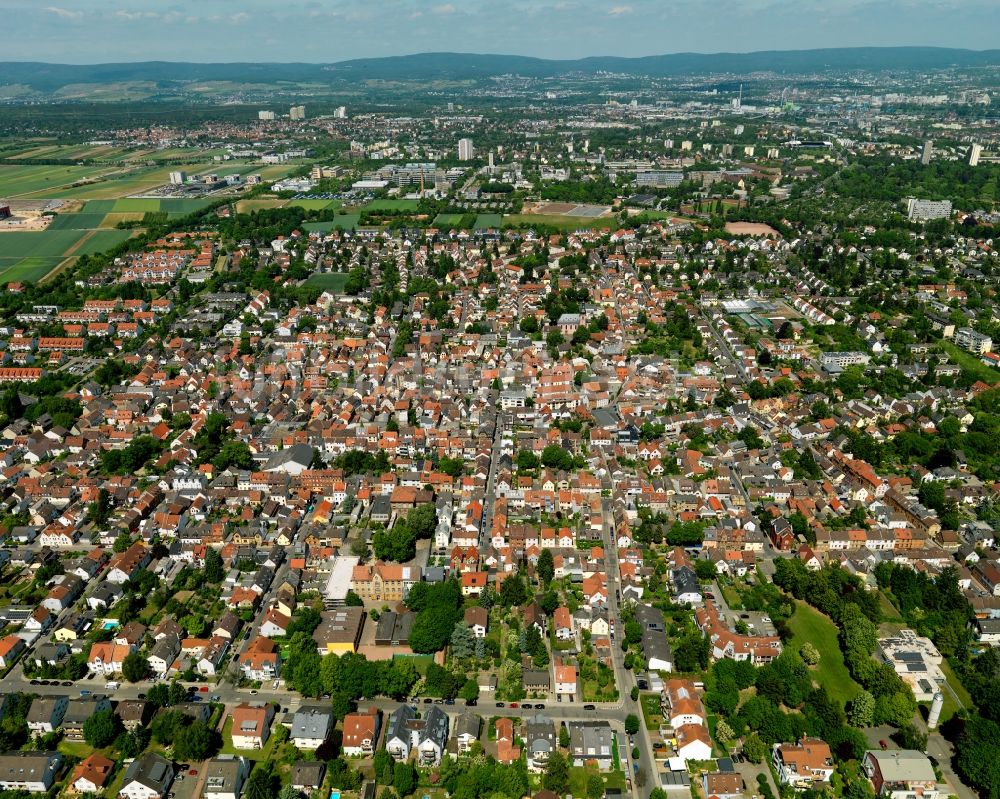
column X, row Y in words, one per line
column 315, row 205
column 328, row 281
column 488, row 220
column 448, row 220
column 345, row 221
column 560, row 222
column 392, row 205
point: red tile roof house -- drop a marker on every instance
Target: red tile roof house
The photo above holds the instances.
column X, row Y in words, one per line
column 251, row 726
column 361, row 732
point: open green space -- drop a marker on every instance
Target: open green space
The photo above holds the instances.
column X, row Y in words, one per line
column 559, row 222
column 971, row 363
column 488, row 221
column 327, row 281
column 392, row 205
column 343, row 221
column 808, row 624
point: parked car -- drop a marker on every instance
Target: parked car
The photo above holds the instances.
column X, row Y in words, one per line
column 500, row 704
column 449, row 701
column 514, row 705
column 539, row 707
column 428, row 701
column 590, row 707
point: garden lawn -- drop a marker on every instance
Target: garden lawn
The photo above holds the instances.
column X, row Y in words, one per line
column 808, row 624
column 652, row 713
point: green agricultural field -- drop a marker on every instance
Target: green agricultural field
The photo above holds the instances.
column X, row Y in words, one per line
column 98, row 207
column 250, row 205
column 392, row 205
column 52, row 243
column 44, row 180
column 327, row 281
column 26, row 270
column 448, row 220
column 135, row 205
column 82, row 221
column 567, row 223
column 488, row 220
column 808, row 624
column 101, row 240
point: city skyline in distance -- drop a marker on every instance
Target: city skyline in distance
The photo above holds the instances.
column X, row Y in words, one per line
column 84, row 32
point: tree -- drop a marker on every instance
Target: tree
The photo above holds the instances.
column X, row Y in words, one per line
column 135, row 667
column 214, row 571
column 556, row 776
column 595, row 785
column 555, row 457
column 262, row 783
column 631, row 724
column 809, row 653
column 705, row 569
column 462, row 641
column 526, row 460
column 101, row 728
column 545, row 568
column 862, row 710
column 723, row 732
column 193, row 741
column 470, row 691
column 384, row 767
column 340, row 704
column 404, row 778
column 564, row 739
column 755, row 749
column 352, row 600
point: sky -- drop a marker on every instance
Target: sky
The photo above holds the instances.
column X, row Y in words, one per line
column 324, row 31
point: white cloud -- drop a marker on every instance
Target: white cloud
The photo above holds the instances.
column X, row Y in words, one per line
column 445, row 8
column 132, row 16
column 64, row 13
column 618, row 11
column 239, row 18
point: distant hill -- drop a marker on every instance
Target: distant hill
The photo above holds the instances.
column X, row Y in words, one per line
column 429, row 66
